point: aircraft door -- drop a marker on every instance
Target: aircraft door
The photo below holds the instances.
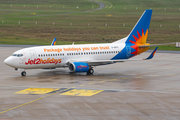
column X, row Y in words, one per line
column 23, row 58
column 33, row 54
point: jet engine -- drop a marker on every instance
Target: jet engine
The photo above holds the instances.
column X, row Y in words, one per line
column 78, row 67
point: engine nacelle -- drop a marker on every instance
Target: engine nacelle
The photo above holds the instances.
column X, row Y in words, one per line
column 78, row 67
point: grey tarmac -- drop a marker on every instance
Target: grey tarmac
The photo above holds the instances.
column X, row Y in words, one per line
column 132, row 90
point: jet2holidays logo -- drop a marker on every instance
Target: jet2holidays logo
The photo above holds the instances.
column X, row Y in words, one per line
column 41, row 61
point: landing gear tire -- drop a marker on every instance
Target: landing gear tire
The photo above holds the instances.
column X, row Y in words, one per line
column 72, row 73
column 23, row 73
column 90, row 71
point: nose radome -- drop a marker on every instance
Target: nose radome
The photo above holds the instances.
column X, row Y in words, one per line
column 8, row 61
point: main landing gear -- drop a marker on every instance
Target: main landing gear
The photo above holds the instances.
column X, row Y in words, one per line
column 23, row 73
column 90, row 71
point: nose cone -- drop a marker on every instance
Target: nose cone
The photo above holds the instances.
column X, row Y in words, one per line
column 8, row 61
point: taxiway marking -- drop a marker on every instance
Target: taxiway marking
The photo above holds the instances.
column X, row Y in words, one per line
column 113, row 79
column 36, row 91
column 81, row 92
column 101, row 81
column 73, row 87
column 91, row 83
column 151, row 75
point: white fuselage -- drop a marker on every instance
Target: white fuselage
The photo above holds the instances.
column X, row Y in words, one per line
column 59, row 55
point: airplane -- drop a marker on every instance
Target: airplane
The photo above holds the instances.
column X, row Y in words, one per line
column 83, row 57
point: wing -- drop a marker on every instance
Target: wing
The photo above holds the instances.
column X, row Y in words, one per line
column 96, row 62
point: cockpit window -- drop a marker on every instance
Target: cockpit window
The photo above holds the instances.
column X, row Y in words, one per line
column 18, row 55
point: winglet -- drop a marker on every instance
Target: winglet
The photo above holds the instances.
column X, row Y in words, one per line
column 53, row 42
column 152, row 54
